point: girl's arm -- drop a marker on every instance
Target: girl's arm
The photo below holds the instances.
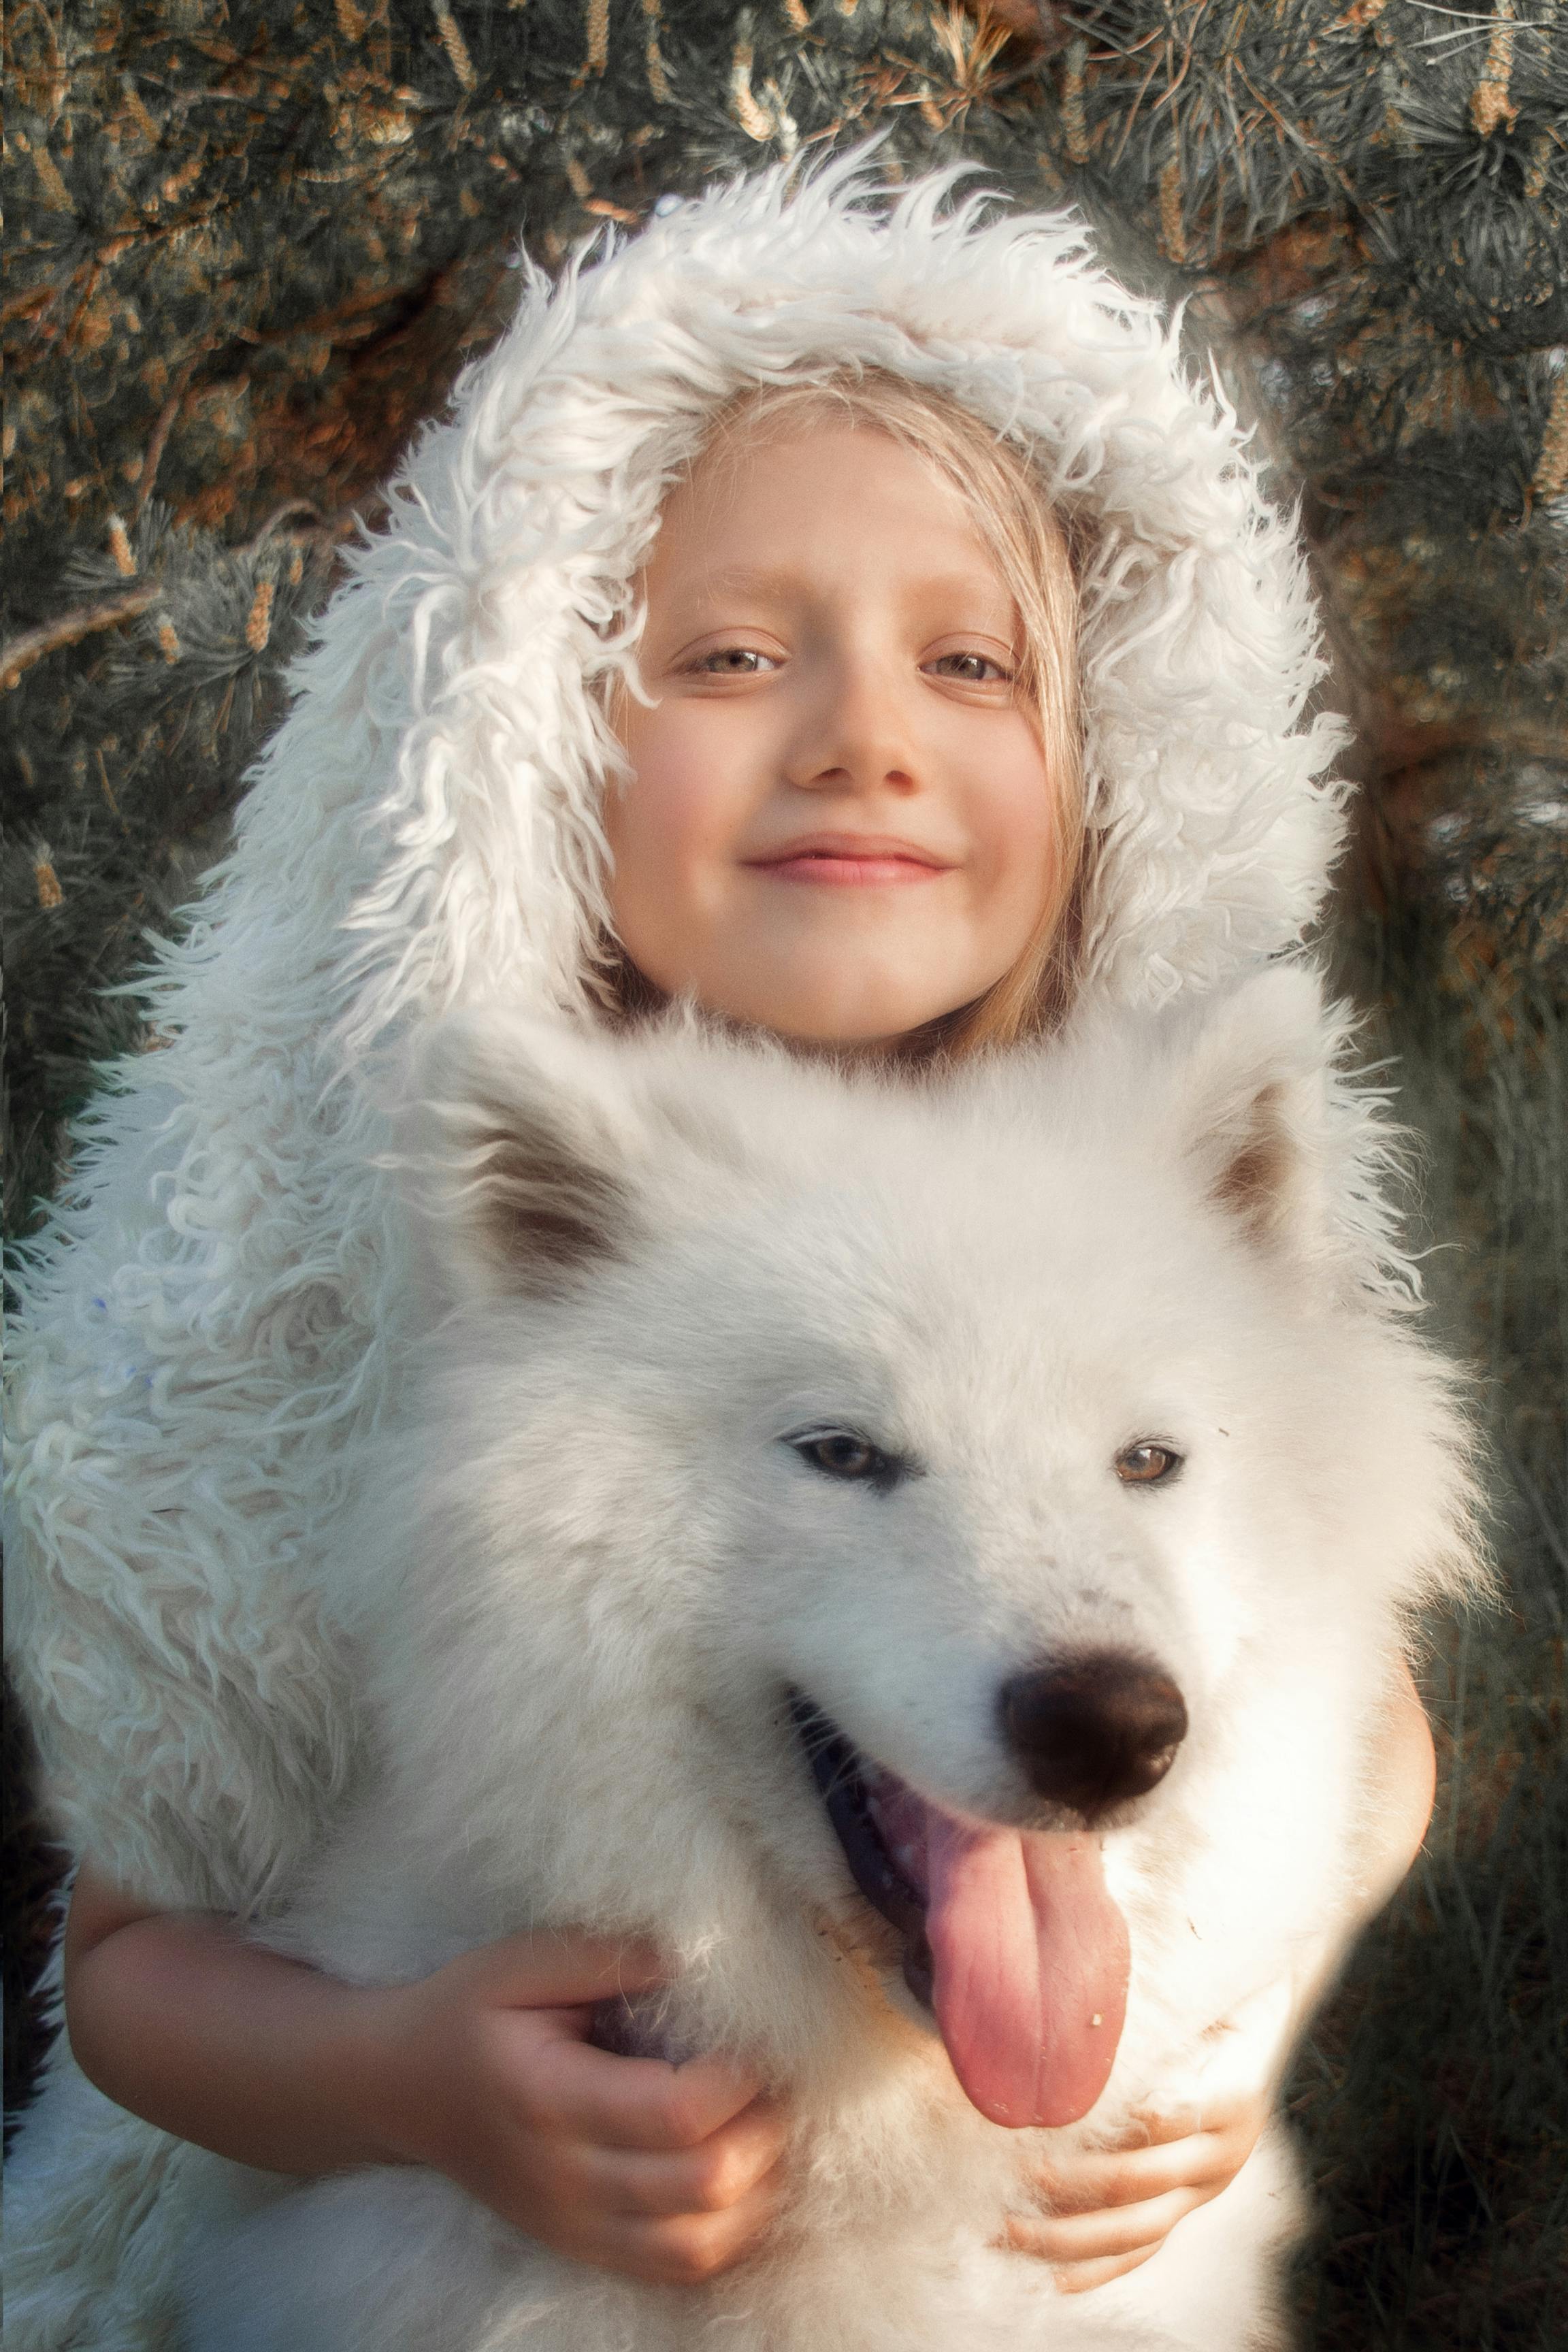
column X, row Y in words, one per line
column 1110, row 2213
column 482, row 2071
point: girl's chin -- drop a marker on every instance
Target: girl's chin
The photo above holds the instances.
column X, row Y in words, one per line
column 877, row 1017
column 863, row 1012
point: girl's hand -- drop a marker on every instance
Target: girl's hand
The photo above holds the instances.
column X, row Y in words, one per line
column 665, row 2173
column 1110, row 2210
column 481, row 2071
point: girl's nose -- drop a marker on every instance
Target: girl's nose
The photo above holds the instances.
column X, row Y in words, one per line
column 854, row 735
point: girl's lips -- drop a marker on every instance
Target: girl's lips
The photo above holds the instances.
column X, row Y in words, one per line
column 847, row 873
column 846, row 863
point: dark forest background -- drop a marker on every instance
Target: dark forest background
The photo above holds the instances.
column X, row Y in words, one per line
column 252, row 242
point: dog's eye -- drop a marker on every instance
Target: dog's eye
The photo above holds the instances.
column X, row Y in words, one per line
column 845, row 1454
column 1146, row 1464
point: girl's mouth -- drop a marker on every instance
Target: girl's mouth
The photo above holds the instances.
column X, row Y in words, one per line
column 851, row 861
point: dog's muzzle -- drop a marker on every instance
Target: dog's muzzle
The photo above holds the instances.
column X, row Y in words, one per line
column 1090, row 1735
column 1010, row 1934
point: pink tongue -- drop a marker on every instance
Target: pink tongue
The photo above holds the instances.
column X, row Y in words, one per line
column 1031, row 1961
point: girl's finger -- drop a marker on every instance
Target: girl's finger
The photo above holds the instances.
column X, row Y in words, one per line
column 1098, row 2237
column 689, row 2247
column 1133, row 2176
column 1237, row 2112
column 711, row 2179
column 591, row 2095
column 1077, row 2278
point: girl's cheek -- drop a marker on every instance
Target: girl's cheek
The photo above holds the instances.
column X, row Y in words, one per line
column 693, row 776
column 668, row 828
column 1013, row 818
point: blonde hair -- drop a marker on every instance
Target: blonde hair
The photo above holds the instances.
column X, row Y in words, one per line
column 1035, row 559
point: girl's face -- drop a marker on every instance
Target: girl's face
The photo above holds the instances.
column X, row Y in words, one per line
column 840, row 822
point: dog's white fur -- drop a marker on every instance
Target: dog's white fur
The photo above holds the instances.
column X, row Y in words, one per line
column 591, row 1570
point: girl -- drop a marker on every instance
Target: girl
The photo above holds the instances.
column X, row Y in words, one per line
column 849, row 619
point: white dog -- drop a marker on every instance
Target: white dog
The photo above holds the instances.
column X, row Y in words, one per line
column 930, row 1557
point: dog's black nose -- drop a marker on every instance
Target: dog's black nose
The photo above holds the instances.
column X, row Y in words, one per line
column 1092, row 1731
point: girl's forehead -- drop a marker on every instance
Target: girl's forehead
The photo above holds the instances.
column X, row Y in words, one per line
column 785, row 498
column 790, row 456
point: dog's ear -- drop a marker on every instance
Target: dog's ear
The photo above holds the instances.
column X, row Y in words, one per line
column 519, row 1148
column 1278, row 1136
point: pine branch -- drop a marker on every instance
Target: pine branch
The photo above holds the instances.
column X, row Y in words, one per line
column 19, row 654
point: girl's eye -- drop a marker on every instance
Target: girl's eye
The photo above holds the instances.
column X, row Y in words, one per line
column 733, row 661
column 971, row 669
column 844, row 1455
column 1147, row 1465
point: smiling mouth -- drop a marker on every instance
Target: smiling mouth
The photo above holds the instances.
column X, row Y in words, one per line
column 851, row 860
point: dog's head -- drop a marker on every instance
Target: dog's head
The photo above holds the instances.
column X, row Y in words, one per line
column 862, row 1497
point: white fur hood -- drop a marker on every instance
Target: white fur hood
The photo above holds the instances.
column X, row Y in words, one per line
column 215, row 1312
column 437, row 786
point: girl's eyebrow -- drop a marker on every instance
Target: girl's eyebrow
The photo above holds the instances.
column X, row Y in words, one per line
column 747, row 578
column 762, row 580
